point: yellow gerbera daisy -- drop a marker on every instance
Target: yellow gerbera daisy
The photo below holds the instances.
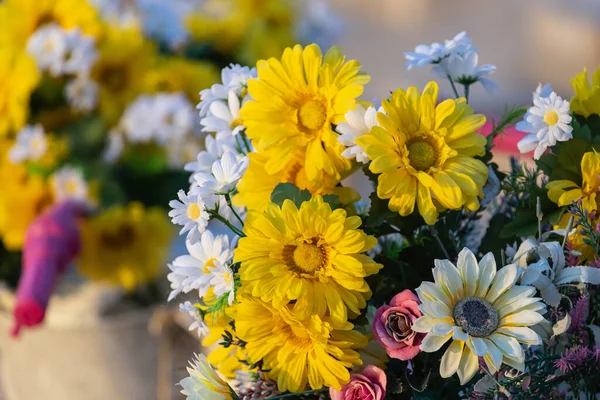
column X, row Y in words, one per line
column 482, row 311
column 297, row 351
column 564, row 192
column 295, row 102
column 587, row 96
column 125, row 245
column 256, row 185
column 310, row 255
column 424, row 153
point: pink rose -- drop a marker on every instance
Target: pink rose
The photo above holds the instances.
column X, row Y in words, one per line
column 392, row 326
column 368, row 385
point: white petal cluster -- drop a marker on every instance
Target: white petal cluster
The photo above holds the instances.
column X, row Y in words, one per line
column 234, row 77
column 359, row 122
column 69, row 183
column 82, row 94
column 546, row 122
column 224, row 176
column 198, row 323
column 434, row 53
column 204, row 382
column 190, row 212
column 30, row 145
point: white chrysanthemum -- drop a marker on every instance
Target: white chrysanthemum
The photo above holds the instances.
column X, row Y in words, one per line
column 214, row 149
column 190, row 211
column 30, row 145
column 222, row 281
column 234, row 77
column 359, row 122
column 481, row 311
column 82, row 94
column 191, row 271
column 198, row 323
column 225, row 175
column 462, row 68
column 436, row 52
column 69, row 183
column 114, row 146
column 48, row 46
column 546, row 123
column 80, row 54
column 224, row 117
column 204, row 383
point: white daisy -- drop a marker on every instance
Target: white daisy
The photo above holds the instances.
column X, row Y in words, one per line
column 436, row 52
column 359, row 122
column 80, row 54
column 175, row 116
column 222, row 281
column 69, row 183
column 30, row 145
column 204, row 383
column 139, row 120
column 189, row 211
column 546, row 123
column 82, row 94
column 224, row 117
column 234, row 77
column 114, row 147
column 462, row 68
column 214, row 149
column 225, row 175
column 191, row 271
column 481, row 311
column 48, row 46
column 198, row 323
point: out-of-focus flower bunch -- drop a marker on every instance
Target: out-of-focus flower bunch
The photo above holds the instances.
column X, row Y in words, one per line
column 97, row 104
column 366, row 251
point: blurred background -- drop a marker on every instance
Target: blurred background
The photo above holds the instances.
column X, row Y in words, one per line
column 140, row 347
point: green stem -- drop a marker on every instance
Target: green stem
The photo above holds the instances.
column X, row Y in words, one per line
column 282, row 396
column 245, row 140
column 434, row 233
column 453, row 86
column 228, row 199
column 235, row 230
column 467, row 92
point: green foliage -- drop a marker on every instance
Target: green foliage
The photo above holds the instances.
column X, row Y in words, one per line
column 10, row 266
column 289, row 191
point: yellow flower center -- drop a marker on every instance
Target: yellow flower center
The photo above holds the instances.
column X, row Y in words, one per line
column 228, row 278
column 236, row 122
column 194, row 211
column 209, row 263
column 421, row 154
column 308, row 257
column 71, row 186
column 551, row 117
column 312, row 115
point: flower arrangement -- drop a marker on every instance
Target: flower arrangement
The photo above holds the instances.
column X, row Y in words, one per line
column 97, row 107
column 452, row 279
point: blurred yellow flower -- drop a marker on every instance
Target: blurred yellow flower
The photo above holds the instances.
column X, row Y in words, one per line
column 125, row 245
column 587, row 96
column 125, row 57
column 18, row 78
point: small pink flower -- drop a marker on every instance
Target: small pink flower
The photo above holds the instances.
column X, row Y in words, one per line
column 370, row 384
column 392, row 326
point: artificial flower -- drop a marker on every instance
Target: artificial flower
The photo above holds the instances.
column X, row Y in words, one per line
column 69, row 183
column 370, row 384
column 392, row 326
column 225, row 175
column 204, row 383
column 222, row 281
column 436, row 52
column 198, row 324
column 297, row 350
column 31, row 144
column 48, row 47
column 296, row 101
column 483, row 312
column 224, row 118
column 586, row 101
column 462, row 68
column 424, row 153
column 190, row 211
column 311, row 256
column 125, row 245
column 359, row 122
column 546, row 123
column 213, row 151
column 82, row 94
column 565, row 192
column 233, row 78
column 114, row 146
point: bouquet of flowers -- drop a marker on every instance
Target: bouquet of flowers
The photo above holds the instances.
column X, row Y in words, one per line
column 344, row 249
column 97, row 107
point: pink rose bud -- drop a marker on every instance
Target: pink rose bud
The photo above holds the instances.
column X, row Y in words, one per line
column 370, row 384
column 392, row 326
column 51, row 243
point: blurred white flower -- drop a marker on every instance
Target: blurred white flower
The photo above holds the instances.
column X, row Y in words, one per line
column 214, row 149
column 225, row 175
column 48, row 46
column 69, row 183
column 82, row 93
column 234, row 77
column 359, row 122
column 224, row 117
column 190, row 212
column 436, row 52
column 546, row 123
column 114, row 147
column 198, row 323
column 318, row 23
column 222, row 281
column 462, row 68
column 30, row 145
column 80, row 55
column 182, row 151
column 139, row 120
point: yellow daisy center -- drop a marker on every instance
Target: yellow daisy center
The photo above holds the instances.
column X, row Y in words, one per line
column 228, row 278
column 312, row 115
column 308, row 257
column 209, row 263
column 236, row 122
column 121, row 237
column 194, row 211
column 71, row 186
column 551, row 117
column 422, row 155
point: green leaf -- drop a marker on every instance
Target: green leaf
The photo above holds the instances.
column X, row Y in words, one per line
column 547, row 163
column 332, row 200
column 289, row 191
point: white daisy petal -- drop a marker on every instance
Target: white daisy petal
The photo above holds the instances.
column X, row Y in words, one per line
column 522, row 334
column 436, row 309
column 468, row 367
column 432, row 343
column 469, row 269
column 493, row 358
column 521, row 318
column 424, row 324
column 503, row 281
column 451, row 359
column 477, row 346
column 508, row 345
